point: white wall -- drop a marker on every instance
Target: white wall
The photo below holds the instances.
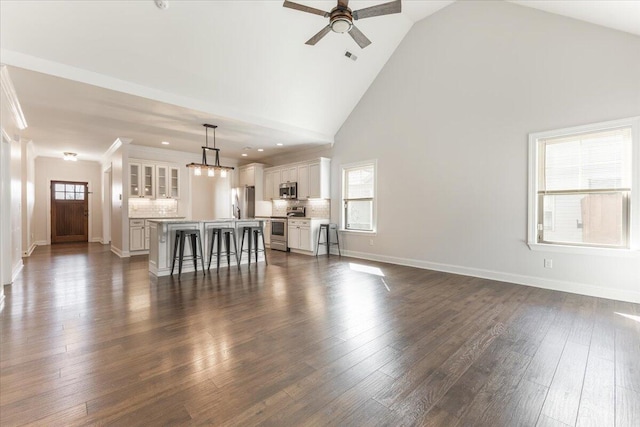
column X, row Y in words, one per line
column 48, row 169
column 211, row 196
column 447, row 119
column 28, row 197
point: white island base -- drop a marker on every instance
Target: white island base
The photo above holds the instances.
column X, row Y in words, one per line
column 162, row 237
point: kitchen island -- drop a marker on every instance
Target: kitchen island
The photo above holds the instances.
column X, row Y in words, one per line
column 162, row 238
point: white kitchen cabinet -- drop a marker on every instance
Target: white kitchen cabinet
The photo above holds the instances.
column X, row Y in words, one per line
column 252, row 175
column 300, row 234
column 247, row 176
column 313, row 178
column 319, row 179
column 268, row 185
column 162, row 182
column 167, row 182
column 289, row 174
column 174, row 182
column 303, row 182
column 141, row 180
column 303, row 235
column 137, row 235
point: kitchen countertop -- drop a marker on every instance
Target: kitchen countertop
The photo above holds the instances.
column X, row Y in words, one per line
column 156, row 217
column 181, row 221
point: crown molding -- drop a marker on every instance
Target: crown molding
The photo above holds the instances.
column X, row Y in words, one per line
column 12, row 98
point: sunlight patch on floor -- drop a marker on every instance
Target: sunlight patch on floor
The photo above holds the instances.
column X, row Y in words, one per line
column 366, row 269
column 629, row 316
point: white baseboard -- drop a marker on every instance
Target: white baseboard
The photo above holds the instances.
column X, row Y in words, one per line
column 29, row 251
column 538, row 282
column 120, row 253
column 95, row 240
column 41, row 243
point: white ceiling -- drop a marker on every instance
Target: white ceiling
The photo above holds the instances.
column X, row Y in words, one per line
column 88, row 72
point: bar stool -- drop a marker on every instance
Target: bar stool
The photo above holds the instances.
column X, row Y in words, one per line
column 194, row 237
column 254, row 231
column 328, row 242
column 229, row 234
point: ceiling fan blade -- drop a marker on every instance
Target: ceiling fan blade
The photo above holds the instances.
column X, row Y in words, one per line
column 381, row 9
column 303, row 8
column 315, row 39
column 343, row 3
column 360, row 38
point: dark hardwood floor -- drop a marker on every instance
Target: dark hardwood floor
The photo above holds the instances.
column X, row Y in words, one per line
column 91, row 339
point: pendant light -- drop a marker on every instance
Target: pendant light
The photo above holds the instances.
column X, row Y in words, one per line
column 211, row 169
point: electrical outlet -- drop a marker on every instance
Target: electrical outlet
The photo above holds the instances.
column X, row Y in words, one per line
column 370, row 242
column 548, row 263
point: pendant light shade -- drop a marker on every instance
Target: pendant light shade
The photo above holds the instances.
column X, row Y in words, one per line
column 215, row 167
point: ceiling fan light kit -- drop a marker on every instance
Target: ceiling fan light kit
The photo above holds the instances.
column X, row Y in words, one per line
column 215, row 167
column 341, row 18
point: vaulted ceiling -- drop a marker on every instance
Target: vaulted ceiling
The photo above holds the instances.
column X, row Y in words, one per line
column 88, row 72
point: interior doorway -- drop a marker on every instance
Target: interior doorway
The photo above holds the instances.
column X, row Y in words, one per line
column 69, row 211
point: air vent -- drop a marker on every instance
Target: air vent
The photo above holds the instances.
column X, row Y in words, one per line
column 350, row 55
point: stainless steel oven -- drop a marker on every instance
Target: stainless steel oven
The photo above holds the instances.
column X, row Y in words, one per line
column 279, row 233
column 279, row 225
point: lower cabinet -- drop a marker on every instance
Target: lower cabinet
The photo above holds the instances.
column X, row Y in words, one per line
column 303, row 234
column 137, row 237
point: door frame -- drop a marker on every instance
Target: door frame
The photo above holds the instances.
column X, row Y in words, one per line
column 89, row 228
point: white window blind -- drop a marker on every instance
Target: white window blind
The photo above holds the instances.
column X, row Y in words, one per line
column 358, row 197
column 584, row 184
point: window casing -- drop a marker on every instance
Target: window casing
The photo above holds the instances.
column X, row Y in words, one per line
column 584, row 187
column 359, row 196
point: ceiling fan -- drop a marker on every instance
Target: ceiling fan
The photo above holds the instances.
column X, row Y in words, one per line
column 341, row 18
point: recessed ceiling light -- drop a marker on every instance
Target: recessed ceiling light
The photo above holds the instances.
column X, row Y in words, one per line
column 165, row 142
column 279, row 144
column 260, row 149
column 244, row 154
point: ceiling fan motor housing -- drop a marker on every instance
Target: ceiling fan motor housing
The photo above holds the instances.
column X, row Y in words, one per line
column 341, row 20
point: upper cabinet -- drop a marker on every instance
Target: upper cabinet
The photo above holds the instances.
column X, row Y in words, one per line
column 252, row 175
column 289, row 173
column 313, row 178
column 167, row 182
column 141, row 180
column 153, row 180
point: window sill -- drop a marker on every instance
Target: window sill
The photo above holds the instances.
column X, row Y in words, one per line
column 581, row 250
column 361, row 232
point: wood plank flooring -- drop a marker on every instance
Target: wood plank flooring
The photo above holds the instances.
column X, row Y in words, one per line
column 91, row 339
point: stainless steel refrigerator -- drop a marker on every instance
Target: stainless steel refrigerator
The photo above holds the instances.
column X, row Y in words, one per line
column 244, row 205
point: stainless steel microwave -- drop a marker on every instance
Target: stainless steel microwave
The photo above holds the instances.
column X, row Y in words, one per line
column 289, row 190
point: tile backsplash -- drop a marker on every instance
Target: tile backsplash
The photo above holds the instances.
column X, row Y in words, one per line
column 156, row 208
column 314, row 208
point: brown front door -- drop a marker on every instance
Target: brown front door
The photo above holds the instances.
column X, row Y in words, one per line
column 69, row 212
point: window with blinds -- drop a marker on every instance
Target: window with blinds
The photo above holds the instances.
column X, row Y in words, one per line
column 359, row 196
column 584, row 187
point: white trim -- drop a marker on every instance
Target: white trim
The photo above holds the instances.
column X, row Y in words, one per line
column 106, row 156
column 634, row 219
column 29, row 251
column 518, row 279
column 374, row 219
column 120, row 253
column 41, row 243
column 12, row 98
column 583, row 250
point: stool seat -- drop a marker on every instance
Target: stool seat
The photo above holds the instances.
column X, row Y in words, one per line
column 218, row 234
column 328, row 243
column 253, row 231
column 195, row 242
